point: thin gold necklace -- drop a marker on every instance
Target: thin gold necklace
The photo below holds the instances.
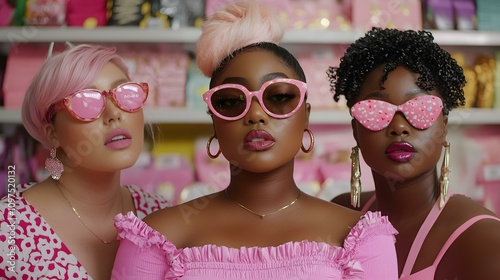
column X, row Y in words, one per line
column 80, row 218
column 266, row 214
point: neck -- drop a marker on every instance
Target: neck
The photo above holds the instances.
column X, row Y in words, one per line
column 96, row 194
column 263, row 192
column 406, row 201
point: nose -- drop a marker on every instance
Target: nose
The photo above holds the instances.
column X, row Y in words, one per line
column 399, row 126
column 111, row 111
column 256, row 113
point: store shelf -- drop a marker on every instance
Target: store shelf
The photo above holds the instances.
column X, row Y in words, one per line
column 115, row 34
column 200, row 116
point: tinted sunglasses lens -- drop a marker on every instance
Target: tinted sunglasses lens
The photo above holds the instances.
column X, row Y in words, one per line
column 130, row 96
column 87, row 104
column 229, row 102
column 281, row 98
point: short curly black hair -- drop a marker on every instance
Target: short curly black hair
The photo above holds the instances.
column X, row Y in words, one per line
column 415, row 50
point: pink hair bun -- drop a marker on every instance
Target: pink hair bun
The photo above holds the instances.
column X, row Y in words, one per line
column 233, row 27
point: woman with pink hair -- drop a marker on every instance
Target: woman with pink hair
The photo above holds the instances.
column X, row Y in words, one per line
column 262, row 226
column 82, row 106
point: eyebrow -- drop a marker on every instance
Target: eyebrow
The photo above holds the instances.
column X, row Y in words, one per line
column 263, row 79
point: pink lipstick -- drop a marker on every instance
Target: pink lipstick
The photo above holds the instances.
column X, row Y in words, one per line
column 118, row 139
column 400, row 152
column 258, row 140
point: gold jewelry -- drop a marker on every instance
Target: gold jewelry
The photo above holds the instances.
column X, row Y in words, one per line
column 355, row 178
column 444, row 180
column 208, row 148
column 266, row 214
column 80, row 218
column 311, row 143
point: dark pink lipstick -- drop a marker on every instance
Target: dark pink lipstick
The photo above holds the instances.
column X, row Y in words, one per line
column 118, row 139
column 258, row 140
column 400, row 151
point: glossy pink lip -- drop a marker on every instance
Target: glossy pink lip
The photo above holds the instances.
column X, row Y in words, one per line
column 258, row 140
column 118, row 139
column 400, row 151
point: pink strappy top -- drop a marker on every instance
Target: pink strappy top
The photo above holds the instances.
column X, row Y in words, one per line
column 367, row 253
column 429, row 272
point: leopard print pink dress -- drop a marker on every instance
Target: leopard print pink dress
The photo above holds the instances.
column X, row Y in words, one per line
column 29, row 247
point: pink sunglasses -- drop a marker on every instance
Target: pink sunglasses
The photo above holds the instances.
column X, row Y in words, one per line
column 280, row 98
column 88, row 104
column 421, row 112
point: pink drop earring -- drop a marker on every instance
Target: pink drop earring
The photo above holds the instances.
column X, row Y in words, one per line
column 54, row 165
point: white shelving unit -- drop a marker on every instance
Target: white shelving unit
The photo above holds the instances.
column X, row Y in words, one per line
column 188, row 36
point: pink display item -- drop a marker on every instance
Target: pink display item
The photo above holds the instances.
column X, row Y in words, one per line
column 421, row 112
column 45, row 12
column 88, row 20
column 23, row 63
column 6, row 12
column 88, row 104
column 401, row 14
column 280, row 98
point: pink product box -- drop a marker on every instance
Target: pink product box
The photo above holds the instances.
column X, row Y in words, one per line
column 6, row 12
column 45, row 12
column 86, row 13
column 23, row 63
column 402, row 14
column 316, row 15
column 315, row 65
column 167, row 174
column 302, row 14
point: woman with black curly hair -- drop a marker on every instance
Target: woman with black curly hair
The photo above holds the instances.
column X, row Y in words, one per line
column 400, row 87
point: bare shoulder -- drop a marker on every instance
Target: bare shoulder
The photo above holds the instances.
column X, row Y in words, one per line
column 328, row 211
column 477, row 249
column 176, row 223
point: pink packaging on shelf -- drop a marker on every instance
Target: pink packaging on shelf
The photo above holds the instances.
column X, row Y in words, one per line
column 6, row 12
column 402, row 14
column 86, row 13
column 315, row 65
column 23, row 63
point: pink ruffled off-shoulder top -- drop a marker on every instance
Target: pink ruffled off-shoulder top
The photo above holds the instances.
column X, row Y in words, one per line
column 368, row 253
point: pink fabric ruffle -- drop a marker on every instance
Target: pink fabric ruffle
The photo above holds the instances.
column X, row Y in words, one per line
column 371, row 224
column 132, row 228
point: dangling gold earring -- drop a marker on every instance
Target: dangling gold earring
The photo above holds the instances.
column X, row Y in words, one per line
column 208, row 149
column 311, row 143
column 444, row 180
column 355, row 178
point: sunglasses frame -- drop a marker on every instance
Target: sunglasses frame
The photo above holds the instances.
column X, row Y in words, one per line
column 66, row 102
column 302, row 86
column 398, row 108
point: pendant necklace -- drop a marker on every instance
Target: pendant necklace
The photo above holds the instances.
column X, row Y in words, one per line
column 266, row 214
column 80, row 218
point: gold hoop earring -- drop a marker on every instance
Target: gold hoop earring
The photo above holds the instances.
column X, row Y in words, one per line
column 208, row 149
column 355, row 178
column 444, row 179
column 311, row 145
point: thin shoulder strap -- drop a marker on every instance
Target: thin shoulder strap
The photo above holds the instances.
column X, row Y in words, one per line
column 368, row 203
column 419, row 239
column 458, row 232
